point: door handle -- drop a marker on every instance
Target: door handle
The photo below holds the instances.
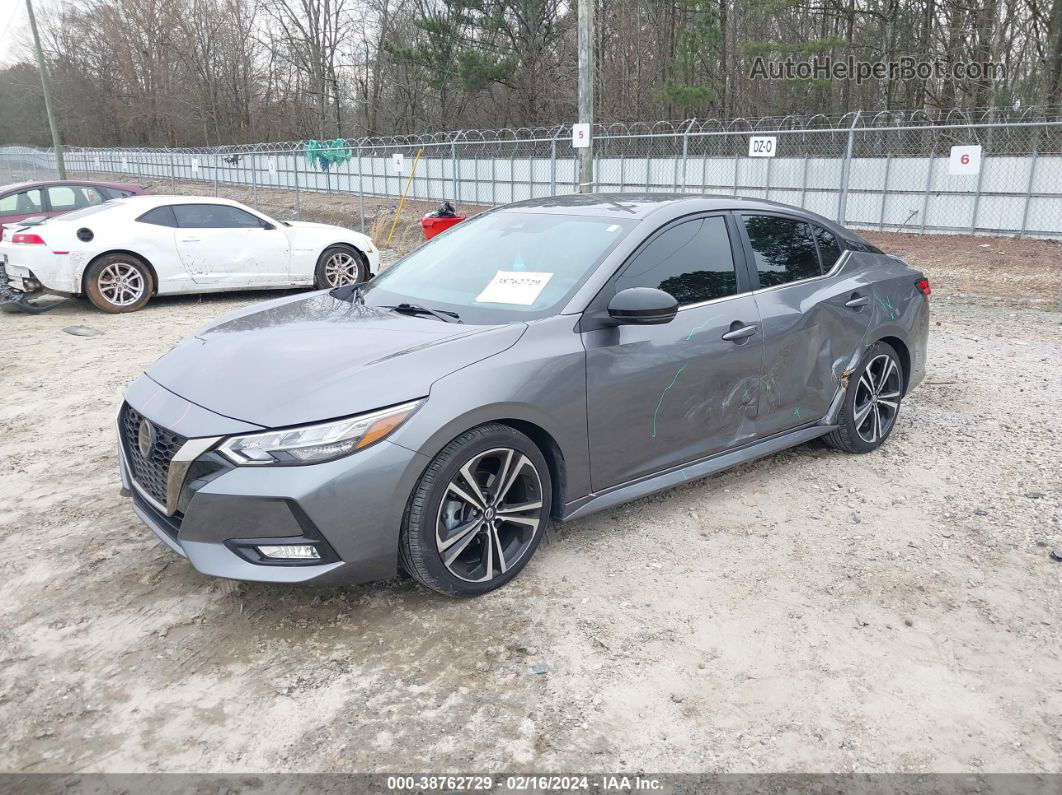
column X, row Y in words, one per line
column 189, row 239
column 857, row 302
column 738, row 334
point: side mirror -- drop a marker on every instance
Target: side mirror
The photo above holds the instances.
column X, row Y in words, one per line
column 643, row 306
column 266, row 225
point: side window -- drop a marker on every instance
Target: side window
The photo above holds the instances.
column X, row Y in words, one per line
column 214, row 216
column 160, row 216
column 829, row 249
column 29, row 201
column 691, row 261
column 93, row 195
column 66, row 197
column 784, row 248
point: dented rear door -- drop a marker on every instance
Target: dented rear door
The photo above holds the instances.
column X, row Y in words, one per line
column 814, row 305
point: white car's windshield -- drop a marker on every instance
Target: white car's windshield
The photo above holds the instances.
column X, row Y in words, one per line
column 501, row 267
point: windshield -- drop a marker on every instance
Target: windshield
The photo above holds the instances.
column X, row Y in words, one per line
column 501, row 267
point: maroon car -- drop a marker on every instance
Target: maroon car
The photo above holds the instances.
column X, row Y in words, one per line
column 23, row 200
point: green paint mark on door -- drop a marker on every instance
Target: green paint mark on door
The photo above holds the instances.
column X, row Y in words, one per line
column 660, row 402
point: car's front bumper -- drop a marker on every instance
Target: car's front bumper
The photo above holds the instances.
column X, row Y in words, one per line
column 352, row 508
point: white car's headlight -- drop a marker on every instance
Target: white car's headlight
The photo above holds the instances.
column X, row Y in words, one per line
column 312, row 444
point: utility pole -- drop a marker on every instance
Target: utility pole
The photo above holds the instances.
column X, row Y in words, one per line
column 586, row 92
column 57, row 144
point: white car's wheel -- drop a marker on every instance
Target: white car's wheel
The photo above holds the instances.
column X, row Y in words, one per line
column 340, row 265
column 118, row 283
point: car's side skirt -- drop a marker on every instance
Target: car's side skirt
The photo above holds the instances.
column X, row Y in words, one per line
column 626, row 492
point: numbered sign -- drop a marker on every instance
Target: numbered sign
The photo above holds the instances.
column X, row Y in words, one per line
column 195, row 165
column 271, row 164
column 762, row 146
column 398, row 163
column 965, row 160
column 96, row 160
column 125, row 163
column 580, row 136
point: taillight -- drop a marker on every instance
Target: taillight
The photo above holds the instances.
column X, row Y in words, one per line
column 923, row 285
column 28, row 239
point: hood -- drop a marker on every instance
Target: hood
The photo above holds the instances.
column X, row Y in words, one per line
column 316, row 358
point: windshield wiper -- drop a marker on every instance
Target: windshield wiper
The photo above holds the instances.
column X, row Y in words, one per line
column 417, row 309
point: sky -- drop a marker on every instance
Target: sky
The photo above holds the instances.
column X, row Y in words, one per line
column 13, row 26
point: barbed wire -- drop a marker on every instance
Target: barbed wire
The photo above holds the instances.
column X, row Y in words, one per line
column 817, row 124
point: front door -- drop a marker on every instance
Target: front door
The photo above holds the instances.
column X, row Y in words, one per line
column 660, row 396
column 815, row 315
column 228, row 247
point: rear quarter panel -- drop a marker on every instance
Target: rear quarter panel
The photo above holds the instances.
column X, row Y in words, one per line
column 155, row 244
column 900, row 312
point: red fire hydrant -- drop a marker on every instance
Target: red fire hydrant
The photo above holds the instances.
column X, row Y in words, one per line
column 440, row 220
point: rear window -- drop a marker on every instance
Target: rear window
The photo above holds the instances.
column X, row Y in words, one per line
column 160, row 216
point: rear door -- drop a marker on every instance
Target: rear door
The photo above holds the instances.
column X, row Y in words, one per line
column 225, row 246
column 660, row 396
column 814, row 316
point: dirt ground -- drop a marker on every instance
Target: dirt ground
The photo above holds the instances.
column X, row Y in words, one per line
column 813, row 611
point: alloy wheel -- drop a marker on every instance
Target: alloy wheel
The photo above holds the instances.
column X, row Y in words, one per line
column 340, row 269
column 877, row 399
column 489, row 515
column 121, row 284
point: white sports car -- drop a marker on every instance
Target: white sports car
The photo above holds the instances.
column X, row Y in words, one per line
column 122, row 252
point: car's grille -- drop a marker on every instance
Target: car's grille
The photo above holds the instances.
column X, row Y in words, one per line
column 148, row 471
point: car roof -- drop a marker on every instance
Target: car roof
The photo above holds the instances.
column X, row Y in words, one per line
column 30, row 184
column 640, row 206
column 157, row 200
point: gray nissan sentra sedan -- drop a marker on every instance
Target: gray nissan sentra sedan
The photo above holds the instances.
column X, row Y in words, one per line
column 546, row 359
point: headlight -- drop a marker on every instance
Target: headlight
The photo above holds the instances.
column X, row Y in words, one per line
column 313, row 444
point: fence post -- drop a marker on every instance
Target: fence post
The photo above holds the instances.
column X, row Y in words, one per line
column 215, row 173
column 804, row 185
column 298, row 199
column 1029, row 186
column 977, row 196
column 173, row 174
column 254, row 178
column 453, row 163
column 553, row 166
column 685, row 153
column 884, row 192
column 929, row 182
column 846, row 169
column 361, row 192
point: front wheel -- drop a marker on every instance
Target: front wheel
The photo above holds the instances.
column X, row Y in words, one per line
column 478, row 513
column 118, row 283
column 340, row 265
column 872, row 402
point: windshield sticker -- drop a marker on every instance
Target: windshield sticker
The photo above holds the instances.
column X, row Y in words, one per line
column 510, row 287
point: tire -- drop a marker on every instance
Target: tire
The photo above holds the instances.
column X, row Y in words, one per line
column 339, row 265
column 872, row 402
column 118, row 283
column 487, row 550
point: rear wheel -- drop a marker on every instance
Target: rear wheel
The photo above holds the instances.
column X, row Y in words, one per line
column 118, row 283
column 478, row 513
column 340, row 265
column 872, row 402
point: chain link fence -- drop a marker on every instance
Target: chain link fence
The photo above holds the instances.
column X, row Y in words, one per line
column 884, row 171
